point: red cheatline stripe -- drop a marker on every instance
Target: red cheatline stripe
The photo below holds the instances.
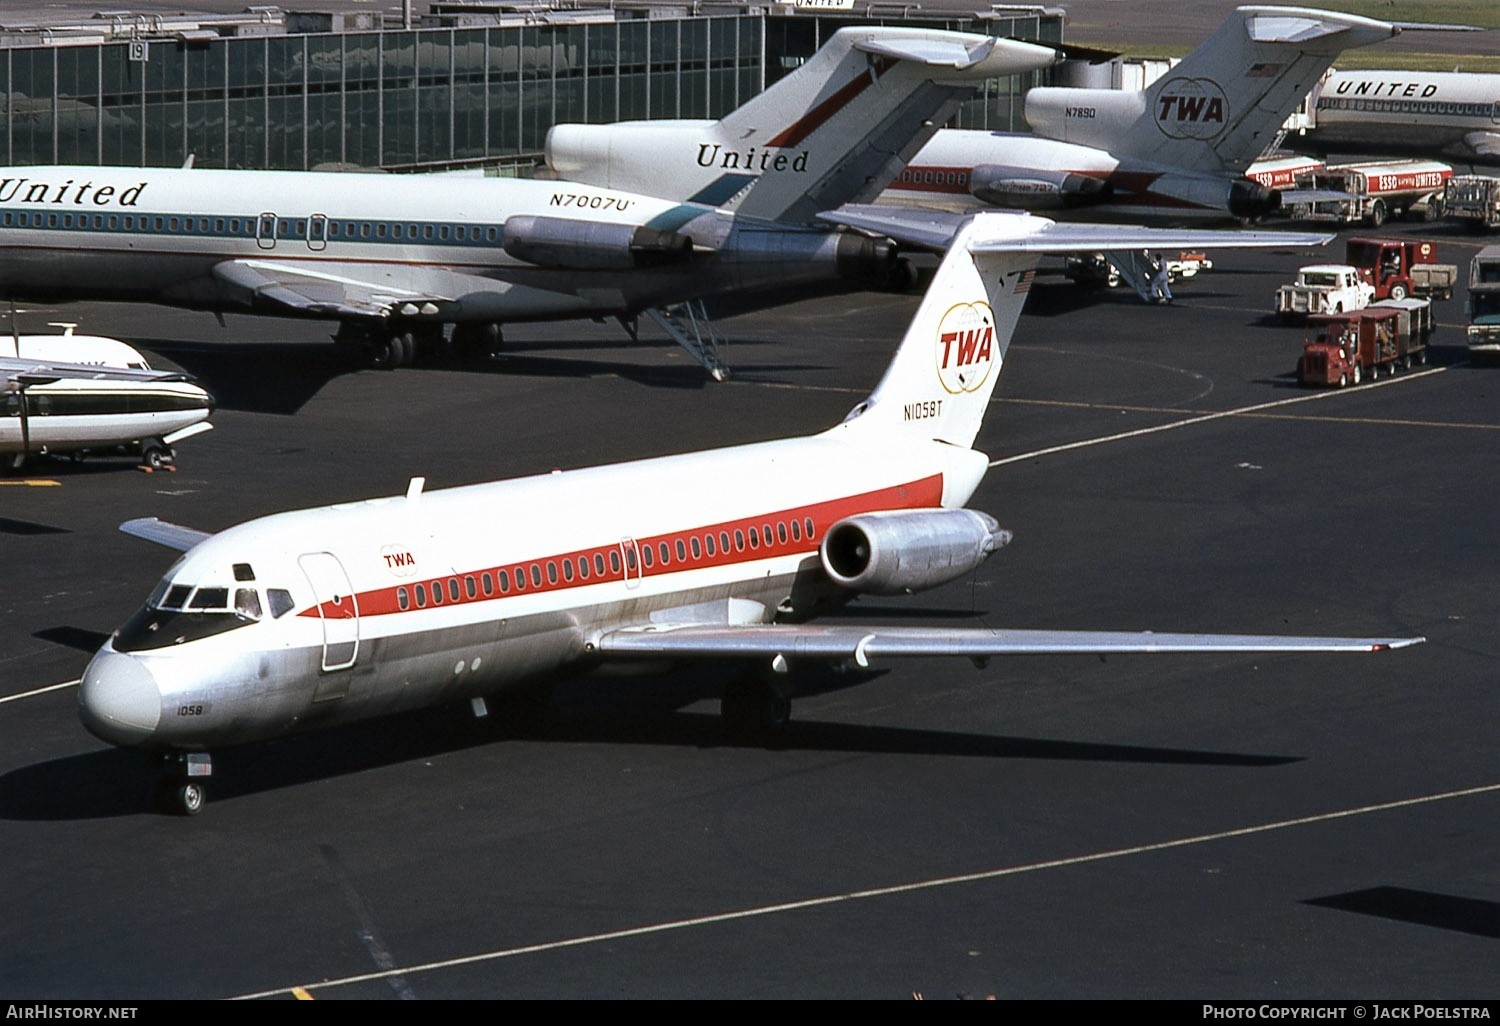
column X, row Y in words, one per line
column 924, row 493
column 931, row 178
column 815, row 118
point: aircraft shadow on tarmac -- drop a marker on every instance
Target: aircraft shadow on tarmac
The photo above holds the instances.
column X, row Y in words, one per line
column 607, row 711
column 280, row 378
column 27, row 527
column 1424, row 908
column 256, row 377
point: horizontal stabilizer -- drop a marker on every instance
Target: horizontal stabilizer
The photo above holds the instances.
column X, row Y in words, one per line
column 977, row 60
column 1299, row 25
column 1029, row 234
column 173, row 536
column 1428, row 26
column 860, row 643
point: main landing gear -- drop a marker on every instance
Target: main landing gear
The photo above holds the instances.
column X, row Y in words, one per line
column 387, row 348
column 756, row 701
column 180, row 791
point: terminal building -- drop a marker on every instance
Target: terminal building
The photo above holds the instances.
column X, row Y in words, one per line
column 463, row 83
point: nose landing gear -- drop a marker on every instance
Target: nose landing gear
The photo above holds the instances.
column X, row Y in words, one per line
column 181, row 791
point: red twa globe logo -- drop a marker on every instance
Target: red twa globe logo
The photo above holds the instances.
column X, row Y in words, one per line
column 1191, row 108
column 965, row 347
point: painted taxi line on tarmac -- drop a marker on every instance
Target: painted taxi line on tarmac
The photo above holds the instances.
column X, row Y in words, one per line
column 879, row 892
column 1255, row 410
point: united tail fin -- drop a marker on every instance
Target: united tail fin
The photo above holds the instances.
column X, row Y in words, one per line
column 1224, row 104
column 836, row 130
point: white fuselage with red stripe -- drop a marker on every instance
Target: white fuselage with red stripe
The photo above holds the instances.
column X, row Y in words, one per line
column 434, row 608
column 941, row 176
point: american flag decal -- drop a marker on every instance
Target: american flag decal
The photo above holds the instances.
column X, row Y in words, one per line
column 1263, row 71
column 1023, row 283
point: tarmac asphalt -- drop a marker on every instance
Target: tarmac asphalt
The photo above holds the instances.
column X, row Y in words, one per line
column 1197, row 827
column 1229, row 827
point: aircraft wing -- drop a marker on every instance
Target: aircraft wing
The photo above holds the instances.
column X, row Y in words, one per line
column 173, row 536
column 331, row 289
column 859, row 643
column 935, row 229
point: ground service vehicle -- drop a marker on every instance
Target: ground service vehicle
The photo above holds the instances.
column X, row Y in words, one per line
column 1474, row 200
column 1324, row 289
column 1484, row 306
column 1343, row 349
column 1375, row 191
column 1398, row 268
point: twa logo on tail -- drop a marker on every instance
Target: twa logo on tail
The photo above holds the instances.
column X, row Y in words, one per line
column 1191, row 108
column 965, row 347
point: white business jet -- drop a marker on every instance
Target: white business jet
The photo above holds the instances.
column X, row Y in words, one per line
column 308, row 619
column 83, row 395
column 394, row 259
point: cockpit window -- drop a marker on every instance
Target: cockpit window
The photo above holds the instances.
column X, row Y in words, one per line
column 243, row 572
column 280, row 600
column 210, row 598
column 177, row 596
column 160, row 628
column 247, row 602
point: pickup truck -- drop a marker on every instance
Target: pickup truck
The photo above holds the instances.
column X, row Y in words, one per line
column 1324, row 289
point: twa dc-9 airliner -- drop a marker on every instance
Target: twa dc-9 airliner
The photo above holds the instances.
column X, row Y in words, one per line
column 318, row 617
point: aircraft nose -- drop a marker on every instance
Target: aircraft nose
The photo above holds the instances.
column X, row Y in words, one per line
column 118, row 700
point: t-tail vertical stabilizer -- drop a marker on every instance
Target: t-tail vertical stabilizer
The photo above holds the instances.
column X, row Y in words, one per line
column 837, row 130
column 938, row 384
column 1224, row 104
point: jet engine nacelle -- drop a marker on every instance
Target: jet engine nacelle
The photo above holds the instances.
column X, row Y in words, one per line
column 796, row 253
column 1089, row 117
column 1035, row 189
column 1238, row 197
column 908, row 550
column 585, row 245
column 626, row 155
